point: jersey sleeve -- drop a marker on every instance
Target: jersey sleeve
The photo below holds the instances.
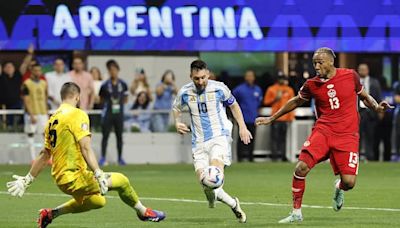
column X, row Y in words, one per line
column 80, row 126
column 304, row 92
column 358, row 87
column 24, row 90
column 227, row 96
column 47, row 136
column 180, row 100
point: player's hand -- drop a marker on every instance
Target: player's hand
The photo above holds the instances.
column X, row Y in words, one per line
column 182, row 128
column 245, row 135
column 102, row 180
column 19, row 185
column 33, row 119
column 263, row 121
column 31, row 49
column 383, row 106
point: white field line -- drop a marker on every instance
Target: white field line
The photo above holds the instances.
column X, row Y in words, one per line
column 201, row 201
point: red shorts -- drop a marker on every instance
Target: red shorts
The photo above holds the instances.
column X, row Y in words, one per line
column 342, row 150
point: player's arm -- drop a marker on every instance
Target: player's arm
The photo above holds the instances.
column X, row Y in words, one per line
column 177, row 106
column 21, row 183
column 88, row 154
column 27, row 60
column 288, row 107
column 244, row 133
column 27, row 103
column 90, row 158
column 372, row 104
column 181, row 127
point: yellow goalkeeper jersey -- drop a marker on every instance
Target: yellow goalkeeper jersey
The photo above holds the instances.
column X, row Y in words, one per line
column 64, row 129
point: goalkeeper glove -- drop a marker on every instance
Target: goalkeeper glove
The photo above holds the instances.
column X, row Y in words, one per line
column 102, row 180
column 19, row 185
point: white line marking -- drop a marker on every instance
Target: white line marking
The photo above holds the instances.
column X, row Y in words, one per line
column 201, row 201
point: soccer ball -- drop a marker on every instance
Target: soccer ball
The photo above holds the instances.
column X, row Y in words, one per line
column 212, row 177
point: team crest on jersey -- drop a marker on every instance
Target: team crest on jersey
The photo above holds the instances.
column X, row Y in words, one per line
column 192, row 99
column 330, row 86
column 332, row 93
column 210, row 96
column 306, row 143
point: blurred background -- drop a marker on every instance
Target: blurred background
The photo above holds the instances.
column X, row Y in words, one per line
column 261, row 50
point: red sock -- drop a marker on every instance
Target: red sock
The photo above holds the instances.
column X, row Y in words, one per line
column 298, row 187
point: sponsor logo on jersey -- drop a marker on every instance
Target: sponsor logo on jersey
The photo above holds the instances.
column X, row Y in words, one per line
column 330, row 86
column 85, row 126
column 332, row 93
column 306, row 143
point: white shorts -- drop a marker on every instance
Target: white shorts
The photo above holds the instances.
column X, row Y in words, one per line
column 217, row 148
column 38, row 127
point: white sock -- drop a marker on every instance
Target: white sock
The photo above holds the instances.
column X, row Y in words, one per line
column 31, row 144
column 140, row 208
column 224, row 197
column 297, row 211
column 337, row 185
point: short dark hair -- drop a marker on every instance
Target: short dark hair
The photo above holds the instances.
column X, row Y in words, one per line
column 111, row 63
column 69, row 89
column 198, row 65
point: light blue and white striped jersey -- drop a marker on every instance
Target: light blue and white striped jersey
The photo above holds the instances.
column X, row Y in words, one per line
column 207, row 110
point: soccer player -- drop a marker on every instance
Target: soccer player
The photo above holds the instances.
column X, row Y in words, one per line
column 335, row 133
column 68, row 141
column 211, row 129
column 34, row 95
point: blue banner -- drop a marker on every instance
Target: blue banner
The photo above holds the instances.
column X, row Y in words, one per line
column 180, row 25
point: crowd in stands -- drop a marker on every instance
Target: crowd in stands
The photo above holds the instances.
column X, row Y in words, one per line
column 149, row 111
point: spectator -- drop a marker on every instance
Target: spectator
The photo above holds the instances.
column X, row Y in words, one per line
column 277, row 96
column 97, row 81
column 142, row 119
column 249, row 97
column 85, row 81
column 383, row 131
column 34, row 92
column 55, row 80
column 369, row 118
column 396, row 122
column 113, row 94
column 165, row 92
column 140, row 84
column 28, row 63
column 10, row 96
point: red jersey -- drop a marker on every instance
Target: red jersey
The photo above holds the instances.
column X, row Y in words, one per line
column 335, row 101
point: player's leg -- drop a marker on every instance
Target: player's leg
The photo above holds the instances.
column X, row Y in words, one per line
column 120, row 183
column 118, row 128
column 344, row 160
column 106, row 126
column 314, row 150
column 220, row 156
column 200, row 162
column 47, row 215
column 85, row 192
column 30, row 129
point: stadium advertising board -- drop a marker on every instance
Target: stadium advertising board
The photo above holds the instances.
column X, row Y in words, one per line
column 240, row 25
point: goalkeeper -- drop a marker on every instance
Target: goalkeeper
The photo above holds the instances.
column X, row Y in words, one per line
column 68, row 142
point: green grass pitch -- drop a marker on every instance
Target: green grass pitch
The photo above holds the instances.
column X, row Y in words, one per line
column 263, row 188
